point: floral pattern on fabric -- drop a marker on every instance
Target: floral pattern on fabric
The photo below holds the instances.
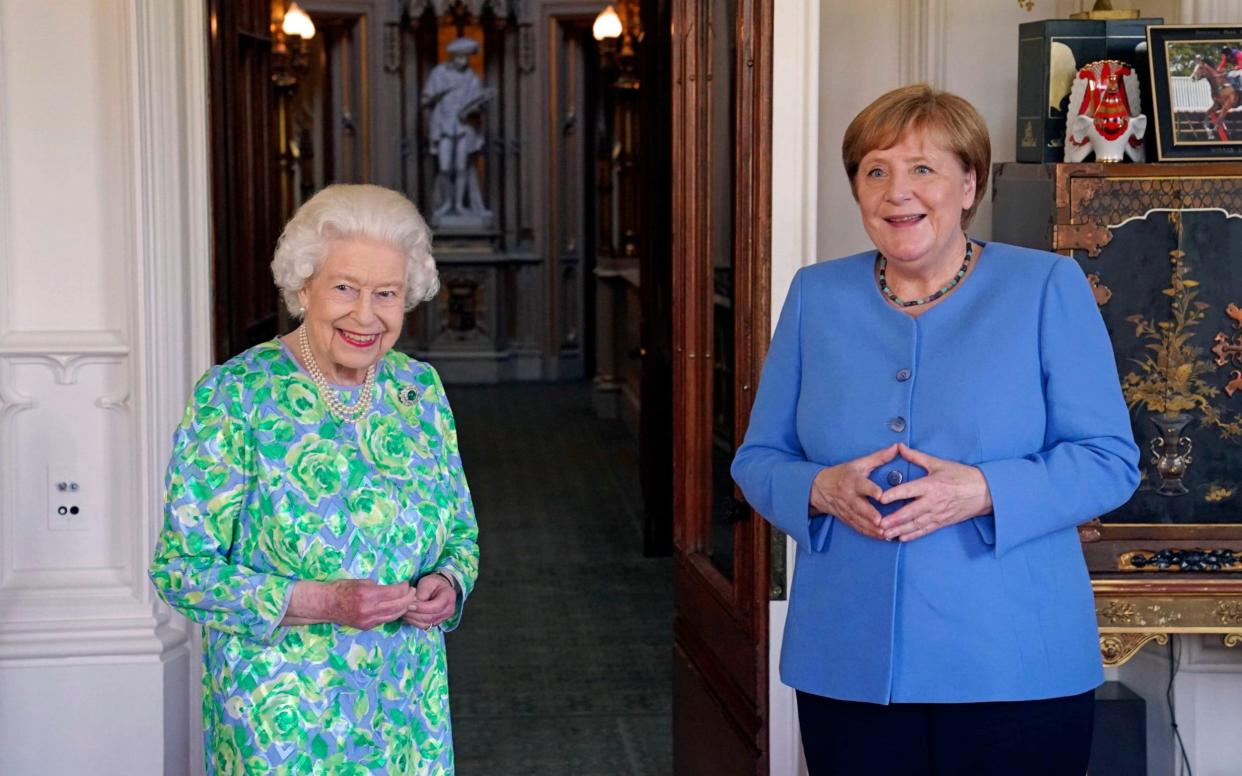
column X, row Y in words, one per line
column 264, row 488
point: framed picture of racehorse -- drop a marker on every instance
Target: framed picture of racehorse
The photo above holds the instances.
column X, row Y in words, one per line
column 1196, row 74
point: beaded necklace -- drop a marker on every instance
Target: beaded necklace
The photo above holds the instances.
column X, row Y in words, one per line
column 347, row 413
column 882, row 265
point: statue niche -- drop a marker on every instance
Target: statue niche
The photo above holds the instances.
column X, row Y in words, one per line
column 455, row 98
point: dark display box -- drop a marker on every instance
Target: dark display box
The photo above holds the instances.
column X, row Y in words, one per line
column 1050, row 53
column 1159, row 244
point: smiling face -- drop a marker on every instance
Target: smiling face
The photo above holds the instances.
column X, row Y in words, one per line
column 911, row 197
column 354, row 307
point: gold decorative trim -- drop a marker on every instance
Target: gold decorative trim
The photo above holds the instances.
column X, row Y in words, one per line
column 1128, row 622
column 1118, row 613
column 1117, row 648
column 1180, row 561
column 1229, row 612
column 1155, row 613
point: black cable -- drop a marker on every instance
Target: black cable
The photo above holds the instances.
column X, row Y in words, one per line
column 1175, row 661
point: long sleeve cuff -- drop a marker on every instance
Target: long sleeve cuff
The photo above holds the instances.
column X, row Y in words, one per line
column 791, row 497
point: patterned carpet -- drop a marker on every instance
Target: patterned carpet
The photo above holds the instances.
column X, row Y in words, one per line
column 562, row 665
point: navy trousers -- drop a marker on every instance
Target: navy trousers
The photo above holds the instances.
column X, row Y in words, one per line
column 1046, row 737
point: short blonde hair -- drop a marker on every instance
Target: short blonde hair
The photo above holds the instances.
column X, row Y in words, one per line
column 883, row 124
column 362, row 211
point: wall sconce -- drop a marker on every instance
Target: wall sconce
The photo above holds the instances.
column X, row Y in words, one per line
column 289, row 50
column 289, row 63
column 623, row 23
column 297, row 22
column 607, row 24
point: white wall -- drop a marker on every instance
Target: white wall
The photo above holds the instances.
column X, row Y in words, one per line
column 965, row 46
column 103, row 312
column 969, row 47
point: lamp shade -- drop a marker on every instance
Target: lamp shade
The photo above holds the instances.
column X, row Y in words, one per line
column 607, row 24
column 297, row 22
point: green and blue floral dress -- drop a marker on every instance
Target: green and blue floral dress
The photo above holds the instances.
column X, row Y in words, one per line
column 265, row 488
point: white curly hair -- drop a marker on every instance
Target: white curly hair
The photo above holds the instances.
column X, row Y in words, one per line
column 356, row 210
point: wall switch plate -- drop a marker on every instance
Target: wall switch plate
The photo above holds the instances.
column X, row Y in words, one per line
column 66, row 508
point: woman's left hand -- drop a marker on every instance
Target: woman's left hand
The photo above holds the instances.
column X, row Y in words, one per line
column 437, row 600
column 950, row 493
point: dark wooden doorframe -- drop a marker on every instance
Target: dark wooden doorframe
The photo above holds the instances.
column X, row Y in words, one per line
column 721, row 638
column 568, row 156
column 245, row 186
column 655, row 251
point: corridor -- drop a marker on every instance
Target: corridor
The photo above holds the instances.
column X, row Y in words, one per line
column 562, row 665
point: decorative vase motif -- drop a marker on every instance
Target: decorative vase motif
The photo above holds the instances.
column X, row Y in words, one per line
column 1168, row 456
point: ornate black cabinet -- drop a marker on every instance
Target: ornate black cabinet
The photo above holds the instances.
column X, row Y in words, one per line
column 1162, row 247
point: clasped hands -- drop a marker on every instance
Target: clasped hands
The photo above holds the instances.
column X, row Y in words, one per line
column 950, row 493
column 365, row 604
column 429, row 602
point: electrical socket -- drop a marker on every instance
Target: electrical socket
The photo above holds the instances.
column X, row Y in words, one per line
column 66, row 508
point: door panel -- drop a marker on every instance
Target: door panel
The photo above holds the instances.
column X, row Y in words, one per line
column 721, row 227
column 698, row 719
column 245, row 177
column 655, row 256
column 721, row 93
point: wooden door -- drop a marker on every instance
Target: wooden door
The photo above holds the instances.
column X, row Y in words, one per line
column 246, row 217
column 721, row 241
column 655, row 257
column 569, row 243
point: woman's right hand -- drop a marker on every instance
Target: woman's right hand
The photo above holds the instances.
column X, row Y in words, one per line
column 364, row 604
column 357, row 603
column 844, row 491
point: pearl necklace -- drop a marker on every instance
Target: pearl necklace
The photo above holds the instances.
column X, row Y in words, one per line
column 347, row 413
column 882, row 265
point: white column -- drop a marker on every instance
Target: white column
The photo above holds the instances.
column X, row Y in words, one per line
column 104, row 300
column 795, row 191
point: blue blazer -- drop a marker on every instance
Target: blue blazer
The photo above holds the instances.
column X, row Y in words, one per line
column 1013, row 373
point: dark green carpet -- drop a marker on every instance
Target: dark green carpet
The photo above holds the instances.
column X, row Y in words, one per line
column 562, row 664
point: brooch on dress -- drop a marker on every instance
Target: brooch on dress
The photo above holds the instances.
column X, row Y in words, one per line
column 408, row 396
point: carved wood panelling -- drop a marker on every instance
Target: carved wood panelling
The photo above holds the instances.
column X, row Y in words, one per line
column 23, row 477
column 63, row 417
column 64, row 352
column 721, row 624
column 475, row 8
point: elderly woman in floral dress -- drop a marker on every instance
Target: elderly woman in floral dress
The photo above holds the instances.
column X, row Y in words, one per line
column 318, row 522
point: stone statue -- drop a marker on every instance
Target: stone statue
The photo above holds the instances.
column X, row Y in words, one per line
column 456, row 96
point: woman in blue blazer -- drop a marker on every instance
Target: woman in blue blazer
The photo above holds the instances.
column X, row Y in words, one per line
column 934, row 419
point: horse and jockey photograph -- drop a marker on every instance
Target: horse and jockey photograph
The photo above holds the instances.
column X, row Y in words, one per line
column 1205, row 84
